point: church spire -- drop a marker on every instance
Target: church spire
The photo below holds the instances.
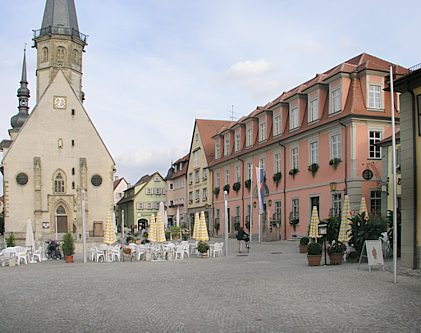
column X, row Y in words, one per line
column 23, row 96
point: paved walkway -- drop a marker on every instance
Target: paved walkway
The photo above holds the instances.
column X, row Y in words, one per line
column 270, row 290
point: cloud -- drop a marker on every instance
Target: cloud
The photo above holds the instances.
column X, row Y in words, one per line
column 249, row 68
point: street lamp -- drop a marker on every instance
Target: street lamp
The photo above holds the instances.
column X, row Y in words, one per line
column 322, row 229
column 226, row 223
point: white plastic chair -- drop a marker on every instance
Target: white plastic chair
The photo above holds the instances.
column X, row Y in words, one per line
column 99, row 253
column 37, row 254
column 22, row 254
column 218, row 250
column 179, row 252
column 186, row 247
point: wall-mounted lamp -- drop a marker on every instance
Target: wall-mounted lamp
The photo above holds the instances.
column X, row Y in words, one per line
column 332, row 186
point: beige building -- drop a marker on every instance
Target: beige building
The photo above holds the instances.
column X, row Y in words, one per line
column 55, row 156
column 199, row 179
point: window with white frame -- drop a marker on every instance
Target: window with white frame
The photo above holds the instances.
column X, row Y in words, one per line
column 336, row 100
column 294, row 158
column 227, row 176
column 375, row 151
column 262, row 165
column 237, row 141
column 277, row 125
column 197, row 196
column 249, row 167
column 237, row 173
column 226, row 145
column 313, row 110
column 293, row 118
column 374, row 96
column 217, row 179
column 204, row 174
column 196, row 175
column 190, row 178
column 249, row 137
column 204, row 194
column 217, row 150
column 335, row 146
column 277, row 162
column 336, row 204
column 314, row 152
column 295, row 209
column 262, row 131
column 375, row 202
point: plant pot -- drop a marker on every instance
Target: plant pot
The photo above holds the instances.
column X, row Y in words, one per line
column 336, row 258
column 303, row 248
column 69, row 259
column 204, row 255
column 314, row 260
column 138, row 241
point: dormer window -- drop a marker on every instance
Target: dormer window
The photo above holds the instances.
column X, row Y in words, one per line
column 293, row 118
column 262, row 131
column 313, row 110
column 217, row 150
column 226, row 145
column 277, row 124
column 374, row 96
column 249, row 137
column 335, row 101
column 237, row 141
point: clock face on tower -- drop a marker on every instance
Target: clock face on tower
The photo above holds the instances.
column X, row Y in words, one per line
column 59, row 102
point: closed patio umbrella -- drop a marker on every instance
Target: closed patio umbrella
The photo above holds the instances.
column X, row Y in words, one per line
column 345, row 226
column 159, row 226
column 109, row 233
column 196, row 225
column 29, row 237
column 314, row 231
column 363, row 208
column 178, row 217
column 152, row 230
column 202, row 233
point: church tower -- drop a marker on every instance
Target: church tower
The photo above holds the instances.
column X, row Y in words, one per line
column 57, row 171
column 59, row 46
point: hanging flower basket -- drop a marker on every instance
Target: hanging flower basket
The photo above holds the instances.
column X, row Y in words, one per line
column 216, row 191
column 247, row 184
column 293, row 172
column 227, row 188
column 313, row 168
column 334, row 162
column 236, row 186
column 277, row 177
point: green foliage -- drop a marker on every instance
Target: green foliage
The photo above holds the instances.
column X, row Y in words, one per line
column 293, row 172
column 68, row 246
column 277, row 177
column 167, row 235
column 227, row 188
column 313, row 168
column 334, row 162
column 216, row 191
column 336, row 247
column 247, row 183
column 363, row 229
column 175, row 231
column 314, row 249
column 333, row 229
column 10, row 241
column 236, row 186
column 202, row 247
column 145, row 234
column 304, row 240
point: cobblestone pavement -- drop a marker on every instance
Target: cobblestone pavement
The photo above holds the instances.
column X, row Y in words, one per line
column 270, row 290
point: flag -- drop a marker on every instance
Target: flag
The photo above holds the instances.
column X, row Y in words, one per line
column 260, row 193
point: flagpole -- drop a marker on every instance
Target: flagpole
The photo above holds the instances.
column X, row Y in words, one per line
column 395, row 212
column 251, row 203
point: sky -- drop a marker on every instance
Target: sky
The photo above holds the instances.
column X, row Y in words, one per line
column 151, row 67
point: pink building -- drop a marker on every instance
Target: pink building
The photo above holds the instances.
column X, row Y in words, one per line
column 316, row 143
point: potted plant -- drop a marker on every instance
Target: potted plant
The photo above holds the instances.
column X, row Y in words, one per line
column 175, row 232
column 216, row 191
column 334, row 162
column 227, row 188
column 68, row 247
column 336, row 252
column 314, row 254
column 247, row 184
column 203, row 248
column 236, row 186
column 293, row 172
column 313, row 168
column 303, row 244
column 277, row 177
column 10, row 241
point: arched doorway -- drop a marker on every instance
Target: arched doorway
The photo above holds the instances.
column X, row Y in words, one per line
column 61, row 219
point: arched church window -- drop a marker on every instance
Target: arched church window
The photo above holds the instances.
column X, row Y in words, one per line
column 60, row 210
column 76, row 57
column 45, row 54
column 59, row 182
column 61, row 52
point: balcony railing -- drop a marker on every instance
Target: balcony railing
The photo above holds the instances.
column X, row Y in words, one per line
column 415, row 67
column 60, row 31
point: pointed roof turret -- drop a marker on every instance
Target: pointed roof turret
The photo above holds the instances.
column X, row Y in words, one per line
column 60, row 18
column 23, row 95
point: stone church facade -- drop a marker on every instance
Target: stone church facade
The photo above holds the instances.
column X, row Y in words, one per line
column 55, row 156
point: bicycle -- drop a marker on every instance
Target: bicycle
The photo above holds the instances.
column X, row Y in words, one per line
column 53, row 250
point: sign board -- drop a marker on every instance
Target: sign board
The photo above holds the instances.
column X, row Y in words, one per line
column 367, row 174
column 45, row 225
column 374, row 253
